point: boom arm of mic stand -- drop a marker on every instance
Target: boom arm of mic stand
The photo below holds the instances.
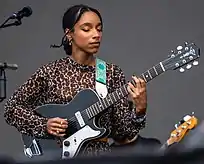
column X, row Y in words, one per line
column 16, row 23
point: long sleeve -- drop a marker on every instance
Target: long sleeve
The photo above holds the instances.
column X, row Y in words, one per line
column 19, row 109
column 125, row 123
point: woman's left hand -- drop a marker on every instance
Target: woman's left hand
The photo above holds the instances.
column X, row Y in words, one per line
column 138, row 94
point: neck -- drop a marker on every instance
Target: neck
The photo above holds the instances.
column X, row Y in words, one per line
column 83, row 58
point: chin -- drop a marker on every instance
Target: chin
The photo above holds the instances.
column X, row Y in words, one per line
column 93, row 51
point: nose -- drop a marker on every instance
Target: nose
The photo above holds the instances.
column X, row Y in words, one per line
column 96, row 34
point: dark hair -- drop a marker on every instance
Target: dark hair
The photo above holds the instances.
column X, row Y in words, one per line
column 70, row 18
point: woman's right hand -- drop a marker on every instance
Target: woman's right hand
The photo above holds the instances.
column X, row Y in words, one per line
column 57, row 126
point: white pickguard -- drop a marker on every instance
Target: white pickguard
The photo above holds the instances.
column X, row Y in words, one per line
column 76, row 139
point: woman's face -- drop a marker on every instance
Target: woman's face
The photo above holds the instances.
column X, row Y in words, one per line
column 87, row 33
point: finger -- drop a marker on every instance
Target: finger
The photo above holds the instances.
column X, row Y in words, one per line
column 60, row 135
column 56, row 134
column 56, row 125
column 132, row 94
column 132, row 87
column 137, row 81
column 60, row 121
column 134, row 90
column 58, row 130
column 142, row 82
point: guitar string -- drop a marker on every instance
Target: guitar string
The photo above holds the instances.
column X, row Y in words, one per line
column 111, row 94
column 84, row 112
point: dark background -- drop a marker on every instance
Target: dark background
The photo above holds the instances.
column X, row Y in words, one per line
column 137, row 35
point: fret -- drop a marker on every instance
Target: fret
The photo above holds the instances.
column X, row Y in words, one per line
column 118, row 94
column 124, row 90
column 90, row 111
column 162, row 66
column 107, row 100
column 93, row 111
column 95, row 106
column 103, row 103
column 99, row 106
column 144, row 78
column 147, row 77
column 121, row 91
column 110, row 100
column 155, row 70
column 159, row 69
column 149, row 74
column 115, row 96
column 152, row 72
column 96, row 109
column 87, row 112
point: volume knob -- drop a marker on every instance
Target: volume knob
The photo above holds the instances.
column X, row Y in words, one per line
column 66, row 154
column 66, row 143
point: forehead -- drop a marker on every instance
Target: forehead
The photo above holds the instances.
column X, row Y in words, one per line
column 89, row 17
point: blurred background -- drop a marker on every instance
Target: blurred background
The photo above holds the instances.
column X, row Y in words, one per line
column 137, row 35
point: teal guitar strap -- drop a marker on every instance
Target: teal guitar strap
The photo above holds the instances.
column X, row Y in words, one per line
column 101, row 87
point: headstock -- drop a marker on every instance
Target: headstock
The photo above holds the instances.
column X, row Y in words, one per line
column 183, row 55
column 186, row 124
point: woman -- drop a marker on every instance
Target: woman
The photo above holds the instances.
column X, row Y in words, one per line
column 59, row 81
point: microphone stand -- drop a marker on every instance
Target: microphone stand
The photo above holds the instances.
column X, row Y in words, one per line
column 2, row 69
column 2, row 84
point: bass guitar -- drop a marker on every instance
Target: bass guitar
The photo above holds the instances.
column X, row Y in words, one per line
column 185, row 125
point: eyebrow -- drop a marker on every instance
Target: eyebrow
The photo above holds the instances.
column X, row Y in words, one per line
column 89, row 24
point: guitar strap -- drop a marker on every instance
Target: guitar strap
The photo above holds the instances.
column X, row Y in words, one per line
column 101, row 87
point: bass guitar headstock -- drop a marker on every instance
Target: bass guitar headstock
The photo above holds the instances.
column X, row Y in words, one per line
column 186, row 124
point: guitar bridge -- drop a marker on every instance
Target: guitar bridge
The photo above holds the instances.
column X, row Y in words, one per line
column 33, row 149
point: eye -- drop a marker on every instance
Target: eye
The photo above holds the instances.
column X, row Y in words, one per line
column 86, row 30
column 99, row 29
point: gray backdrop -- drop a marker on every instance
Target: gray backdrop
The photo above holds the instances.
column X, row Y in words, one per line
column 137, row 35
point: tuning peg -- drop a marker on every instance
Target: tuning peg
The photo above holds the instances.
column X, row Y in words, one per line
column 186, row 43
column 176, row 126
column 172, row 54
column 181, row 69
column 193, row 113
column 188, row 66
column 195, row 62
column 179, row 48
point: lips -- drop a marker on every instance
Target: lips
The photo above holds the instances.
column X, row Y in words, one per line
column 95, row 43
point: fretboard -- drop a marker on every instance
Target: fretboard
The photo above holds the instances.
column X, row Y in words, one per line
column 120, row 93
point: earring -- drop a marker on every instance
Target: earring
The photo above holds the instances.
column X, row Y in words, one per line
column 70, row 42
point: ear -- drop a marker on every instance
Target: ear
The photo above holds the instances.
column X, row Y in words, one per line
column 68, row 34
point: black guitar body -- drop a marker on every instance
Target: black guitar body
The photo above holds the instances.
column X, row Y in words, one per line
column 80, row 127
column 81, row 111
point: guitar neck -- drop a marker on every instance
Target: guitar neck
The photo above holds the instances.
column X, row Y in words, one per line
column 120, row 93
column 164, row 146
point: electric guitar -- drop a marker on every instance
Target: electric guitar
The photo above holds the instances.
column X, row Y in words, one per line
column 186, row 124
column 87, row 104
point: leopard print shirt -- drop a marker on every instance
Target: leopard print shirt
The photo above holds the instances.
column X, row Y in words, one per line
column 58, row 82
